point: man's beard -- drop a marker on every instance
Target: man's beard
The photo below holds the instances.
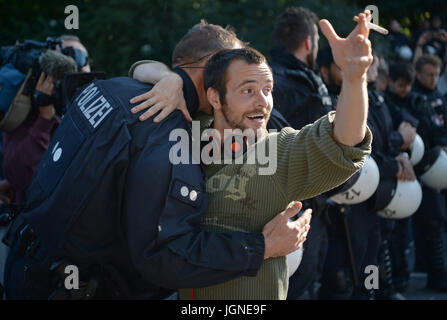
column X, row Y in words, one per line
column 233, row 124
column 310, row 59
column 239, row 125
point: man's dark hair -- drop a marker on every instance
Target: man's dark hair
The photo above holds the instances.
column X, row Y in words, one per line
column 214, row 75
column 427, row 59
column 402, row 70
column 292, row 27
column 201, row 41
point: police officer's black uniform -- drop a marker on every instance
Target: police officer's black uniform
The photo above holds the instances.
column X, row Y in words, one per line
column 107, row 199
column 362, row 236
column 302, row 98
column 387, row 142
column 430, row 218
column 401, row 234
column 337, row 278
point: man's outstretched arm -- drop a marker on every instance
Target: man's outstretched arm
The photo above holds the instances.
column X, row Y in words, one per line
column 353, row 56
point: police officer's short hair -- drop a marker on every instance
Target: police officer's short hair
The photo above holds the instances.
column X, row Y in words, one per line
column 402, row 70
column 203, row 40
column 427, row 59
column 292, row 27
column 214, row 75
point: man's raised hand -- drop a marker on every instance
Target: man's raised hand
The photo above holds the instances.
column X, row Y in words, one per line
column 352, row 54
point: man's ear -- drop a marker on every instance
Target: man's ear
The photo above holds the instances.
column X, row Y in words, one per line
column 308, row 43
column 213, row 98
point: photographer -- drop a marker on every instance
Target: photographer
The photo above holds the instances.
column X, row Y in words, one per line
column 24, row 147
column 432, row 41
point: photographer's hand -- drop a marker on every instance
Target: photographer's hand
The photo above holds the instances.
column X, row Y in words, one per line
column 442, row 35
column 45, row 84
column 6, row 192
column 425, row 37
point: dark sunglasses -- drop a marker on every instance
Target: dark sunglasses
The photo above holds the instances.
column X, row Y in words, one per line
column 81, row 57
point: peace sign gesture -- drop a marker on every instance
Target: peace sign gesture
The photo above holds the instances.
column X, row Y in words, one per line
column 352, row 54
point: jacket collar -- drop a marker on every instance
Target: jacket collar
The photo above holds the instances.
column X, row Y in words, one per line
column 189, row 91
column 418, row 87
column 288, row 60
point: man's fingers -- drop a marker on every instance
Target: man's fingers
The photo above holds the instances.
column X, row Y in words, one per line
column 308, row 212
column 50, row 82
column 41, row 78
column 164, row 113
column 141, row 97
column 328, row 30
column 292, row 210
column 305, row 218
column 186, row 114
column 307, row 215
column 145, row 105
column 368, row 15
column 153, row 110
column 363, row 28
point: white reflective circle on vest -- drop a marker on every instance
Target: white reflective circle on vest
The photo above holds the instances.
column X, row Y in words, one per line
column 417, row 150
column 364, row 187
column 436, row 176
column 184, row 191
column 193, row 195
column 294, row 260
column 57, row 155
column 405, row 201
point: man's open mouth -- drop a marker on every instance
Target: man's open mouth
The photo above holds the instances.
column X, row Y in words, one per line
column 256, row 117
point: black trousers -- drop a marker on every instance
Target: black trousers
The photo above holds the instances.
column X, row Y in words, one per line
column 364, row 233
column 428, row 223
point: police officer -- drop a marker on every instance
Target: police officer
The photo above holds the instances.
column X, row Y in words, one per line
column 400, row 101
column 356, row 242
column 330, row 73
column 107, row 199
column 301, row 97
column 392, row 164
column 336, row 280
column 431, row 216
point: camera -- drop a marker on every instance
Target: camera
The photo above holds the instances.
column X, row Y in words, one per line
column 26, row 61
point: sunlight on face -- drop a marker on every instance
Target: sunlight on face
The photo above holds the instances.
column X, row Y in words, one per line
column 249, row 98
column 429, row 76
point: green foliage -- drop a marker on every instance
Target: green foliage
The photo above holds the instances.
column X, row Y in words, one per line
column 117, row 32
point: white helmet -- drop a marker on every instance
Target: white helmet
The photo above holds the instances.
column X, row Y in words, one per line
column 404, row 52
column 417, row 150
column 294, row 260
column 432, row 169
column 359, row 187
column 406, row 198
